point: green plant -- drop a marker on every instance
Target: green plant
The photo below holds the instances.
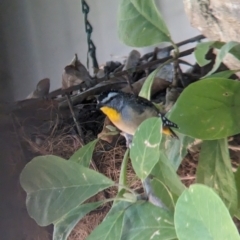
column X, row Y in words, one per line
column 207, row 110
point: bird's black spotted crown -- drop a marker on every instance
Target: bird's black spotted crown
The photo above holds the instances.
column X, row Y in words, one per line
column 107, row 96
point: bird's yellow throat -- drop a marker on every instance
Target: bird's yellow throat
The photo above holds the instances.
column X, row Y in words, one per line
column 112, row 114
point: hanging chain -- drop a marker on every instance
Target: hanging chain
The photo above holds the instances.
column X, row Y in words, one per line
column 89, row 29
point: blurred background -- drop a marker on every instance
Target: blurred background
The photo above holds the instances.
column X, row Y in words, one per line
column 39, row 38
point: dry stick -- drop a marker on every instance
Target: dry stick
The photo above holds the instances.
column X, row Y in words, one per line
column 187, row 178
column 128, row 77
column 81, row 135
column 142, row 67
column 18, row 137
column 175, row 65
column 75, row 120
column 169, row 48
column 150, row 64
column 234, row 148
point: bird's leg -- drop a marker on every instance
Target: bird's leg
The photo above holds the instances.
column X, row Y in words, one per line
column 128, row 138
column 152, row 198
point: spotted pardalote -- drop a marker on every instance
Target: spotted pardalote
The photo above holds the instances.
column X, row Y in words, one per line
column 127, row 111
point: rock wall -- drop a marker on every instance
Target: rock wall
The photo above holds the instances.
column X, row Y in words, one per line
column 218, row 20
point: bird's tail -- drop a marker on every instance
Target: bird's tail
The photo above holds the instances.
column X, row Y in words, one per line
column 167, row 125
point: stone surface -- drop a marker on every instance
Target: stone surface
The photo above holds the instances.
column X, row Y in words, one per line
column 218, row 20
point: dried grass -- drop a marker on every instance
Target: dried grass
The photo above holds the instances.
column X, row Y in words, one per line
column 59, row 142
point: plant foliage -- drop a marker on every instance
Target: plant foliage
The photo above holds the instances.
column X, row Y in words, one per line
column 207, row 109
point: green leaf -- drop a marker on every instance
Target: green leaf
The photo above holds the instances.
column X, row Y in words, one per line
column 146, row 88
column 146, row 221
column 55, row 186
column 137, row 20
column 215, row 170
column 83, row 155
column 165, row 173
column 111, row 227
column 176, row 149
column 147, row 85
column 237, row 214
column 203, row 48
column 201, row 214
column 208, row 109
column 223, row 74
column 237, row 181
column 145, row 149
column 123, row 173
column 65, row 225
column 226, row 48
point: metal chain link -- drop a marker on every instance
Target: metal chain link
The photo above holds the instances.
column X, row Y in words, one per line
column 89, row 29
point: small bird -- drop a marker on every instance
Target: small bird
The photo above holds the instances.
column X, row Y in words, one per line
column 127, row 111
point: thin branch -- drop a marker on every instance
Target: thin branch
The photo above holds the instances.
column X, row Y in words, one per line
column 187, row 178
column 81, row 135
column 135, row 69
column 150, row 64
column 234, row 148
column 169, row 48
column 75, row 120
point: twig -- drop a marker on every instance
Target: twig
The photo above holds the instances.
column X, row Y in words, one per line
column 116, row 75
column 188, row 178
column 17, row 135
column 175, row 65
column 103, row 86
column 169, row 48
column 81, row 135
column 129, row 83
column 75, row 120
column 150, row 64
column 234, row 148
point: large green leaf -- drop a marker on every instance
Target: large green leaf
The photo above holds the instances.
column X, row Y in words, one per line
column 176, row 149
column 165, row 173
column 55, row 186
column 64, row 226
column 208, row 109
column 215, row 170
column 83, row 155
column 140, row 23
column 201, row 214
column 145, row 148
column 146, row 221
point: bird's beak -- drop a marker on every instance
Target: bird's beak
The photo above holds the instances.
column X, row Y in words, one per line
column 98, row 106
